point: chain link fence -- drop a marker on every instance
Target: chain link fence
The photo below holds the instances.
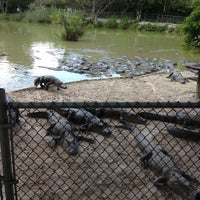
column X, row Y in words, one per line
column 105, row 151
column 145, row 17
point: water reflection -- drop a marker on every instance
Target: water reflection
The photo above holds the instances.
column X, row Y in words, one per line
column 45, row 54
column 14, row 76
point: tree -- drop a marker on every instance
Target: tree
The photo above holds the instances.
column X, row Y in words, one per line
column 12, row 5
column 95, row 7
column 3, row 5
column 56, row 3
column 191, row 28
column 139, row 6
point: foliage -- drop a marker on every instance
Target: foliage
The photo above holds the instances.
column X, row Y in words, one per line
column 191, row 28
column 171, row 30
column 94, row 7
column 38, row 13
column 151, row 27
column 54, row 3
column 99, row 24
column 134, row 25
column 124, row 23
column 111, row 23
column 4, row 16
column 73, row 26
column 162, row 28
column 13, row 4
column 12, row 17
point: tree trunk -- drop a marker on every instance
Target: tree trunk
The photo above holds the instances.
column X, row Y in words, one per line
column 94, row 16
column 138, row 14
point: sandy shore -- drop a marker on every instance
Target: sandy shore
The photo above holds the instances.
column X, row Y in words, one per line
column 155, row 87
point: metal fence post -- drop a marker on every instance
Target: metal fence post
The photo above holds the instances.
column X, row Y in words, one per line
column 5, row 148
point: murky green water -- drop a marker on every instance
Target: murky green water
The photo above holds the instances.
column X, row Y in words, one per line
column 25, row 47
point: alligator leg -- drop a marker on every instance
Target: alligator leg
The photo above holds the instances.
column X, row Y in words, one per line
column 161, row 184
column 42, row 85
column 188, row 177
column 49, row 129
column 54, row 142
column 48, row 84
column 165, row 152
column 70, row 143
column 70, row 116
column 144, row 159
column 85, row 127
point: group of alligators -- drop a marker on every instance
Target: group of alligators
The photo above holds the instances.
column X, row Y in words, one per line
column 170, row 177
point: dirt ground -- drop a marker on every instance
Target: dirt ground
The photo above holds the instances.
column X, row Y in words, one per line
column 109, row 168
column 142, row 88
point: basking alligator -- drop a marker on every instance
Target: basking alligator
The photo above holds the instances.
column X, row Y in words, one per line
column 188, row 134
column 185, row 120
column 118, row 114
column 86, row 119
column 62, row 132
column 177, row 76
column 157, row 159
column 46, row 81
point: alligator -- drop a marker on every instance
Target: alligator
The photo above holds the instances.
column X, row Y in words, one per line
column 62, row 131
column 86, row 119
column 46, row 81
column 170, row 178
column 117, row 114
column 13, row 112
column 188, row 134
column 177, row 76
column 185, row 120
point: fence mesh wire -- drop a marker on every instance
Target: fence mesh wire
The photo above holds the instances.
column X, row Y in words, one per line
column 51, row 163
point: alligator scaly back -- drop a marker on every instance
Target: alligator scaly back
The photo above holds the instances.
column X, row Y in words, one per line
column 86, row 119
column 61, row 131
column 157, row 159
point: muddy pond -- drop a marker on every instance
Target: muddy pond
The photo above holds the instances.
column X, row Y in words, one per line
column 31, row 50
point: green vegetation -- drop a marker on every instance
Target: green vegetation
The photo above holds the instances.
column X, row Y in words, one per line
column 150, row 27
column 73, row 23
column 125, row 23
column 111, row 23
column 191, row 28
column 38, row 13
column 73, row 26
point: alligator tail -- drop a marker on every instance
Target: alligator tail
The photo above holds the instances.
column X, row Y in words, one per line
column 59, row 111
column 86, row 139
column 193, row 135
column 42, row 114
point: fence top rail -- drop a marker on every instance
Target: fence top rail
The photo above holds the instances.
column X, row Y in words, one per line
column 107, row 104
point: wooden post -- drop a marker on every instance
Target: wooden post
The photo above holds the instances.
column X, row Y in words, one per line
column 198, row 86
column 196, row 67
column 5, row 148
